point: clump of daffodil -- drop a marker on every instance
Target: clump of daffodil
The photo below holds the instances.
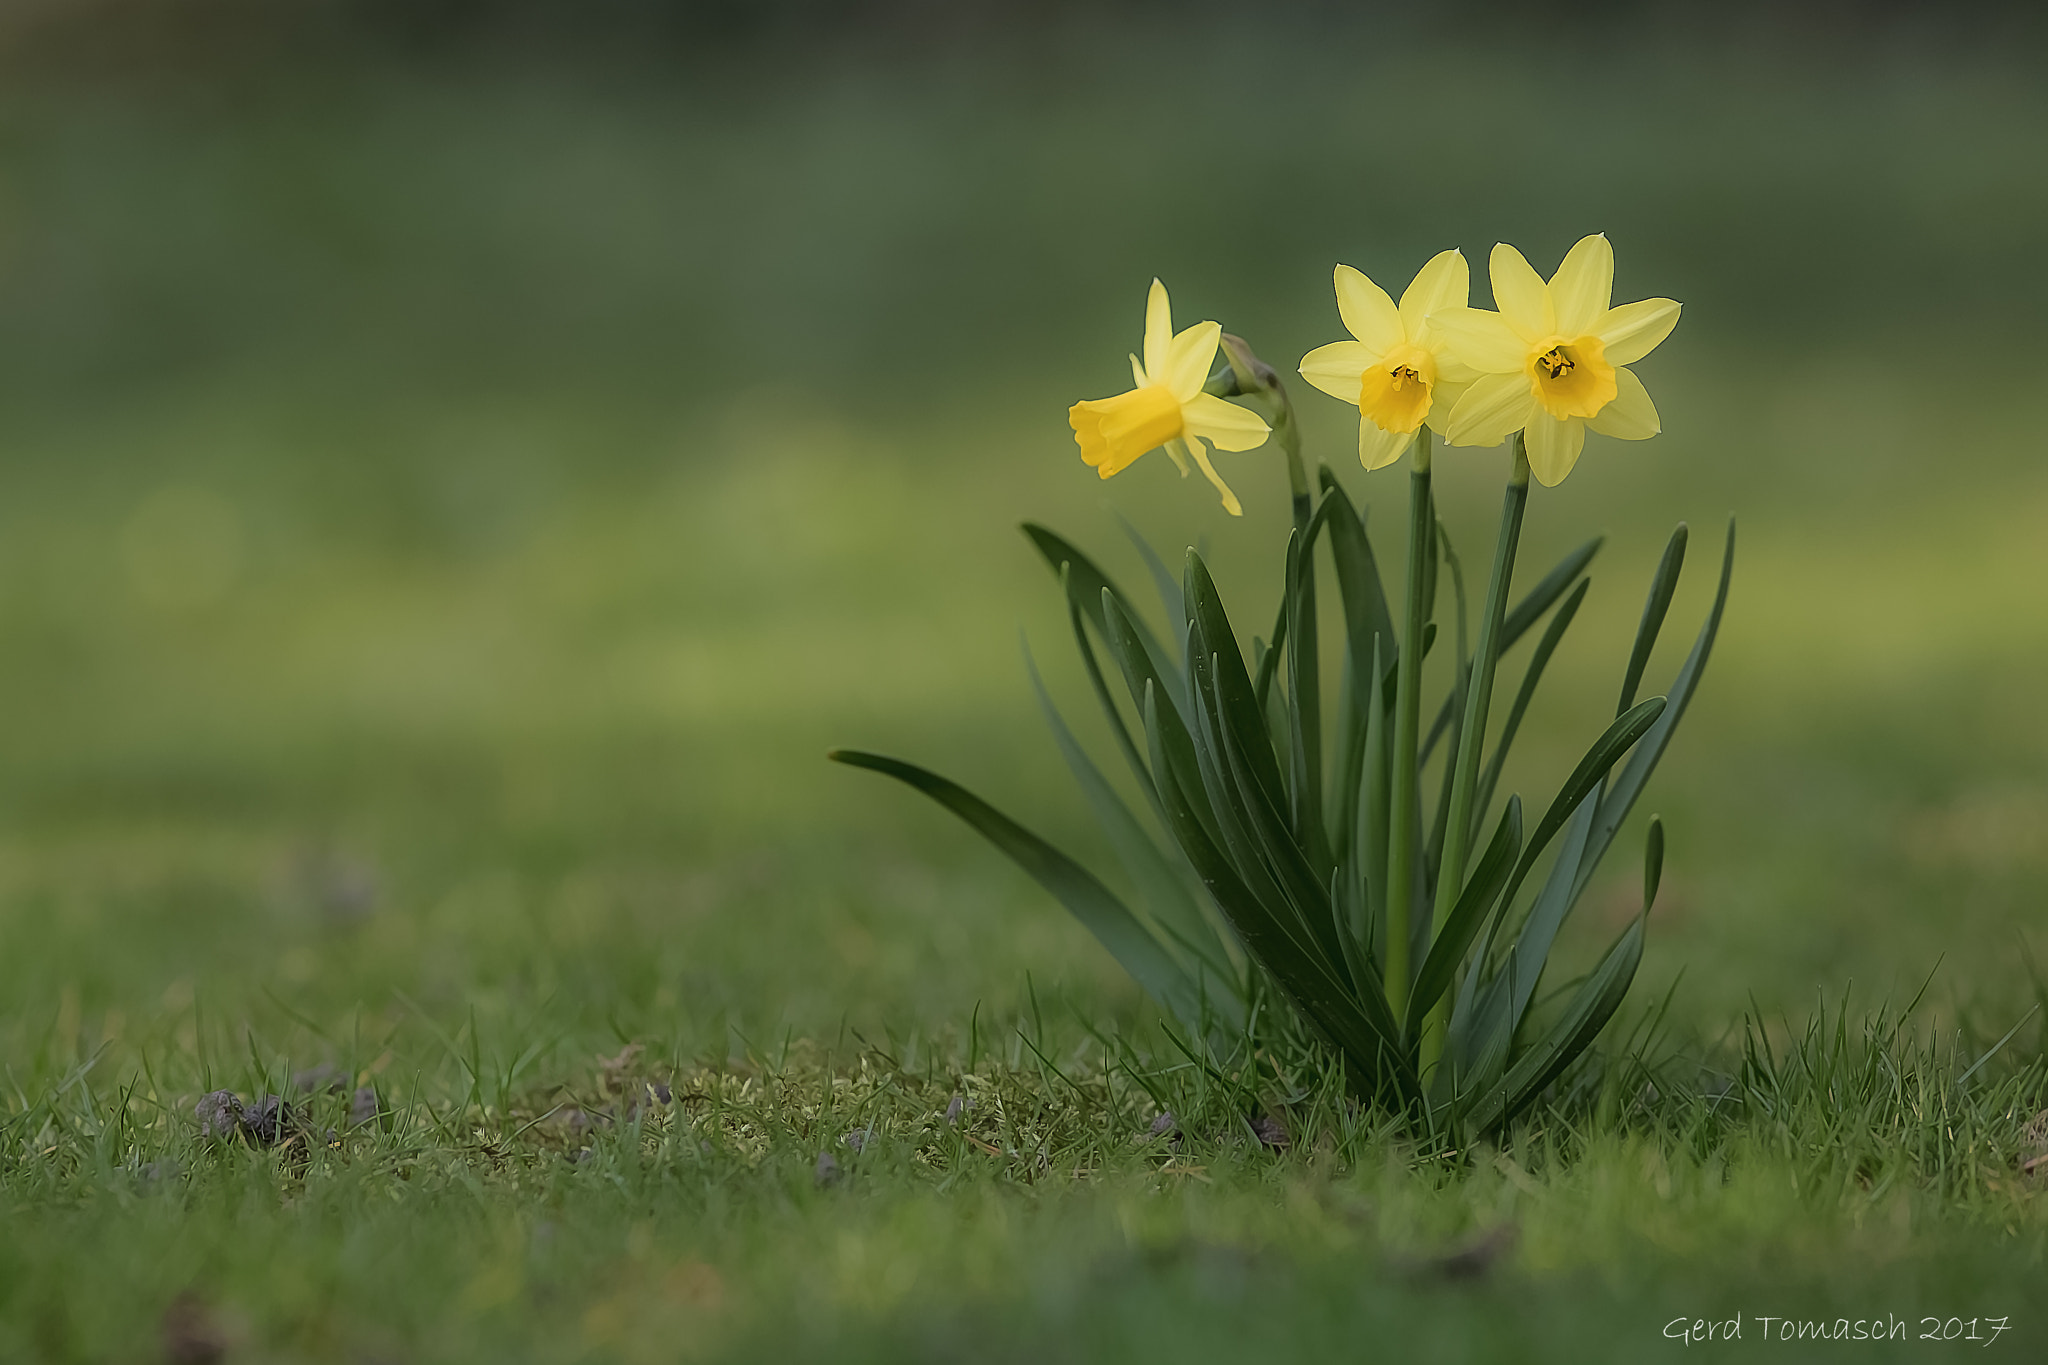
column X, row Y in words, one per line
column 1167, row 409
column 1395, row 370
column 1553, row 360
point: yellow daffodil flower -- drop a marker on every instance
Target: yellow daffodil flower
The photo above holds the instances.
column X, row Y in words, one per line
column 1395, row 370
column 1167, row 408
column 1552, row 361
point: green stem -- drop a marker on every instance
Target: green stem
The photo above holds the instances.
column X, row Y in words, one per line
column 1472, row 733
column 1403, row 803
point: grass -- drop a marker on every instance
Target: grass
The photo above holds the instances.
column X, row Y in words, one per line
column 425, row 604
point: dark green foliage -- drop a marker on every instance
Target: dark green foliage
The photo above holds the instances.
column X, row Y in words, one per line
column 1281, row 827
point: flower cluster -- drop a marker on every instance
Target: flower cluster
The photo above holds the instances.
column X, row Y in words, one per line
column 1549, row 363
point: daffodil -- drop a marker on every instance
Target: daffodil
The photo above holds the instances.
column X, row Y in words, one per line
column 1395, row 370
column 1553, row 361
column 1167, row 408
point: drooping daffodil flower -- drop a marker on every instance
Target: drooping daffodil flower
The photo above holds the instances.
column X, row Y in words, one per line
column 1167, row 408
column 1553, row 361
column 1395, row 370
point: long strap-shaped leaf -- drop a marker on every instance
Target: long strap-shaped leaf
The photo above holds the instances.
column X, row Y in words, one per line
column 1142, row 679
column 1157, row 879
column 1516, row 623
column 1489, row 875
column 1162, row 577
column 1538, row 662
column 1368, row 1037
column 1085, row 582
column 1628, row 784
column 1307, row 898
column 1215, row 639
column 1590, row 1009
column 1073, row 885
column 1539, row 931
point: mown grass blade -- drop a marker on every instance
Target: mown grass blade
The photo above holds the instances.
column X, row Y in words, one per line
column 1489, row 875
column 1073, row 885
column 1540, row 660
column 1157, row 879
column 1085, row 582
column 1591, row 1007
column 1662, row 585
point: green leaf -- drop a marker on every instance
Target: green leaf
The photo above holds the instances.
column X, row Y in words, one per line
column 1084, row 583
column 1163, row 580
column 1489, row 875
column 1366, row 614
column 1173, row 909
column 1214, row 638
column 1653, row 862
column 1526, row 612
column 1532, row 945
column 1111, row 712
column 1304, row 709
column 1089, row 901
column 1538, row 661
column 1591, row 1007
column 1629, row 783
column 1350, row 1022
column 1305, row 895
column 1516, row 623
column 1141, row 678
column 1662, row 585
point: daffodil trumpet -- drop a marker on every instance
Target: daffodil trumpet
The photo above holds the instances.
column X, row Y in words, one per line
column 1283, row 885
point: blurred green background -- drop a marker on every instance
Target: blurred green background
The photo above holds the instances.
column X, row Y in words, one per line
column 460, row 468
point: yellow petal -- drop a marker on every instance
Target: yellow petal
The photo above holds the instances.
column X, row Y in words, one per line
column 1631, row 416
column 1479, row 341
column 1224, row 425
column 1230, row 502
column 1138, row 379
column 1335, row 368
column 1158, row 328
column 1443, row 400
column 1368, row 313
column 1494, row 406
column 1444, row 281
column 1521, row 295
column 1634, row 330
column 1583, row 285
column 1177, row 451
column 1188, row 358
column 1376, row 448
column 1554, row 447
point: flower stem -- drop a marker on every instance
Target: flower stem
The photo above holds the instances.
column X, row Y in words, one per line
column 1472, row 733
column 1404, row 804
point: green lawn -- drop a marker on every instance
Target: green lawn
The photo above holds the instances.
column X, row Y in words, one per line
column 446, row 515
